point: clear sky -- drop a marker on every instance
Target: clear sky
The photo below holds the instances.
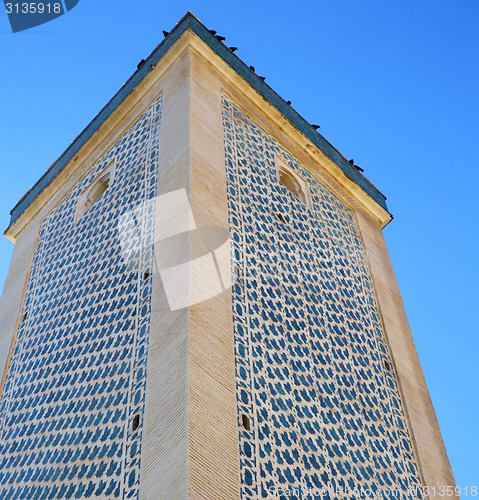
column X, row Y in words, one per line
column 394, row 85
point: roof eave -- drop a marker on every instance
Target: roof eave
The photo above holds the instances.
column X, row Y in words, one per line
column 189, row 21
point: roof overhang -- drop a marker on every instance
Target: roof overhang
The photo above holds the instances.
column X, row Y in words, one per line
column 287, row 113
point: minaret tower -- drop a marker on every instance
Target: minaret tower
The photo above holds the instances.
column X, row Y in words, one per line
column 200, row 305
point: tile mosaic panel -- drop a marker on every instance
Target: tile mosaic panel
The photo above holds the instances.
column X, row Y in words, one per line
column 76, row 380
column 313, row 370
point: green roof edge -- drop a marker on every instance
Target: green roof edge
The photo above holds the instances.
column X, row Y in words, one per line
column 189, row 21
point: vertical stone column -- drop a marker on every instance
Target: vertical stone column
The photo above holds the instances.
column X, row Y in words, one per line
column 164, row 447
column 426, row 434
column 13, row 293
column 212, row 422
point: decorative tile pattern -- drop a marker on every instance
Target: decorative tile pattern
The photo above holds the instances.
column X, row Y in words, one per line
column 76, row 379
column 313, row 370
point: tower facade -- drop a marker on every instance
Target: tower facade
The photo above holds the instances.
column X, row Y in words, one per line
column 200, row 305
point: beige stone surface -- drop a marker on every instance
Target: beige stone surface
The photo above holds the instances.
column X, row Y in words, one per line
column 13, row 294
column 430, row 450
column 212, row 424
column 423, row 424
column 164, row 449
column 190, row 443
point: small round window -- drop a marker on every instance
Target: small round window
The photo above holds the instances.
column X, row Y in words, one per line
column 295, row 184
column 292, row 184
column 97, row 191
column 94, row 193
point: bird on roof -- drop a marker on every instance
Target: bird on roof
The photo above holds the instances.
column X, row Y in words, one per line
column 357, row 167
column 165, row 33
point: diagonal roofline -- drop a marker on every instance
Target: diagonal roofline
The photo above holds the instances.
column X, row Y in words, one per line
column 191, row 22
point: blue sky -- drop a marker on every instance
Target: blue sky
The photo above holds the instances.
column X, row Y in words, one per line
column 393, row 85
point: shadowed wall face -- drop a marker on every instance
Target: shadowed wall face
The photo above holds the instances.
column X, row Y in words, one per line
column 71, row 414
column 318, row 402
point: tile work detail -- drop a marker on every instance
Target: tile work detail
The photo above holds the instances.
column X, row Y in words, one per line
column 313, row 370
column 76, row 381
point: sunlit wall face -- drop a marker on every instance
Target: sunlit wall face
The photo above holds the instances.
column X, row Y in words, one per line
column 318, row 402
